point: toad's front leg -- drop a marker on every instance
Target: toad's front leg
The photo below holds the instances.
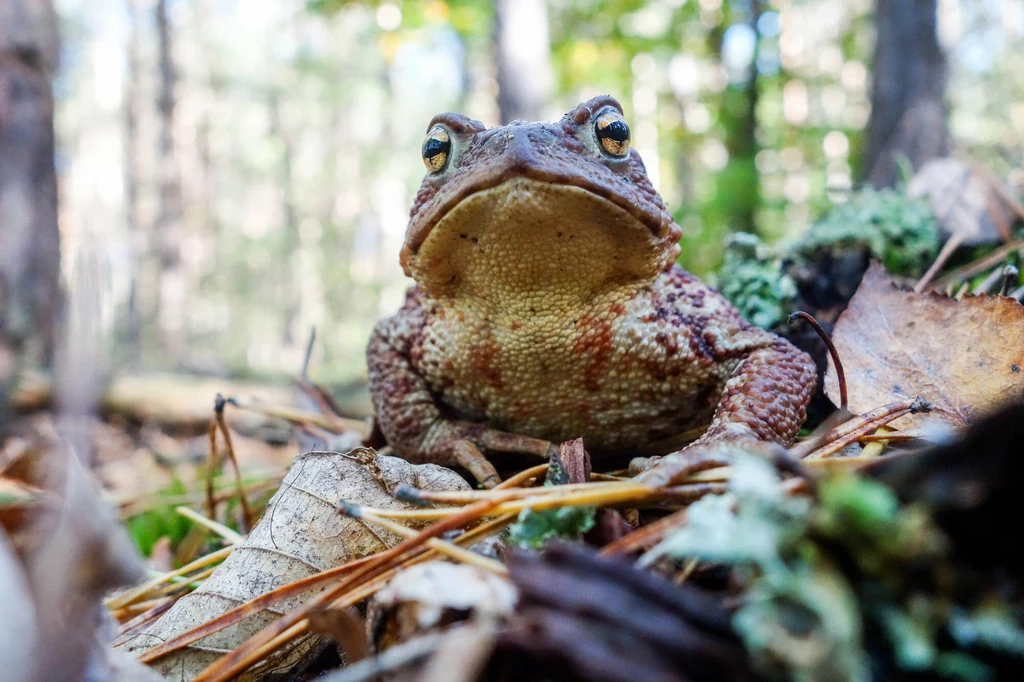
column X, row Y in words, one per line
column 408, row 413
column 765, row 401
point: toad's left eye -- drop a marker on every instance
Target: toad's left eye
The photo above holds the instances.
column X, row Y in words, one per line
column 613, row 133
column 436, row 149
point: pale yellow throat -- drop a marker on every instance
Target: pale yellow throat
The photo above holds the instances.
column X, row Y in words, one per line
column 537, row 245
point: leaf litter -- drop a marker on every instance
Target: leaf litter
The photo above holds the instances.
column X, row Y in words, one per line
column 301, row 534
column 963, row 357
column 821, row 562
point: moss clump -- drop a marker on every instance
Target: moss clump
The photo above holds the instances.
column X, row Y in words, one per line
column 753, row 280
column 902, row 232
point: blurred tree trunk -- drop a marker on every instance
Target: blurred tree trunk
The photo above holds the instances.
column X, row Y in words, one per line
column 738, row 184
column 290, row 274
column 29, row 238
column 523, row 52
column 170, row 302
column 908, row 110
column 131, row 179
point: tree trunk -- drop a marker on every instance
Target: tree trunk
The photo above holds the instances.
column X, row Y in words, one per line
column 523, row 52
column 29, row 238
column 170, row 304
column 133, row 220
column 290, row 275
column 739, row 183
column 908, row 111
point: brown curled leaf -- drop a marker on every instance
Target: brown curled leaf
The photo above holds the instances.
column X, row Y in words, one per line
column 962, row 357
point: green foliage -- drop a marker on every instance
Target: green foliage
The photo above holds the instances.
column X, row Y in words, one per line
column 161, row 521
column 820, row 577
column 754, row 281
column 902, row 232
column 534, row 528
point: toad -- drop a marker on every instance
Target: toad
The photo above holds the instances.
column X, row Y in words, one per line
column 548, row 306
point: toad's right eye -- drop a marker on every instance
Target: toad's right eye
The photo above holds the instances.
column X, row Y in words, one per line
column 436, row 149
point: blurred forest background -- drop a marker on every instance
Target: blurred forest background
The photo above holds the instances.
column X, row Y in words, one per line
column 236, row 173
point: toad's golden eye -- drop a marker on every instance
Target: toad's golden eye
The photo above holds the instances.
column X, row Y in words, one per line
column 613, row 133
column 436, row 149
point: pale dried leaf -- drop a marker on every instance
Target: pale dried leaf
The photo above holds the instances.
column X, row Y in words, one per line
column 301, row 533
column 427, row 595
column 965, row 200
column 123, row 667
column 964, row 357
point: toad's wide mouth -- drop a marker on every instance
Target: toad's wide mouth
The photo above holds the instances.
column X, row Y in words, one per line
column 528, row 235
column 654, row 219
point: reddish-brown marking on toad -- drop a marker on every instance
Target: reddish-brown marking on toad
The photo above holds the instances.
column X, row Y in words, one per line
column 484, row 361
column 595, row 345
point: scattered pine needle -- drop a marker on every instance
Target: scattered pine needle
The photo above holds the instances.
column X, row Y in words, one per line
column 220, row 529
column 270, row 638
column 138, row 593
column 218, row 412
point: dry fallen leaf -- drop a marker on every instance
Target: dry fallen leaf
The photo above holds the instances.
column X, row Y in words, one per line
column 433, row 594
column 967, row 201
column 963, row 357
column 301, row 533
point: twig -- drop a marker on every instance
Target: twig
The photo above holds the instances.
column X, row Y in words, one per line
column 454, row 551
column 869, row 422
column 1010, row 277
column 646, row 536
column 211, row 470
column 895, row 436
column 219, row 528
column 128, row 628
column 951, row 245
column 189, row 583
column 980, row 265
column 820, row 434
column 523, row 477
column 408, row 493
column 827, row 340
column 131, row 596
column 592, row 495
column 986, row 284
column 133, row 612
column 142, row 503
column 218, row 411
column 297, row 416
column 309, row 353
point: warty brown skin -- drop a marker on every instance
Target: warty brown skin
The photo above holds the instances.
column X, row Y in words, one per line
column 548, row 306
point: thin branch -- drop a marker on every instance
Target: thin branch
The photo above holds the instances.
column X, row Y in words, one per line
column 219, row 528
column 833, row 353
column 246, row 510
column 951, row 245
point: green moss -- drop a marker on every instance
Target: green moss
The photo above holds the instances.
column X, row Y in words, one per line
column 823, row 577
column 752, row 279
column 901, row 232
column 533, row 529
